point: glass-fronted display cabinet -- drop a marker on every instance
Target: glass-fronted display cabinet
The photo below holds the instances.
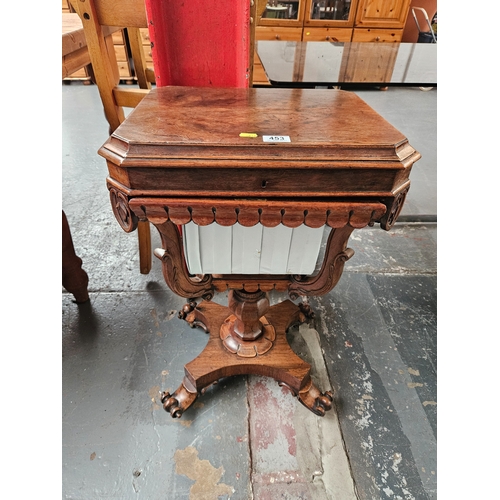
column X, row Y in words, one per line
column 330, row 20
column 286, row 13
column 291, row 13
column 338, row 13
column 379, row 14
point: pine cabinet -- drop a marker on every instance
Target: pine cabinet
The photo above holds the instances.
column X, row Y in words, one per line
column 326, row 34
column 330, row 13
column 380, row 20
column 335, row 20
column 122, row 56
column 328, row 20
column 282, row 13
column 382, row 14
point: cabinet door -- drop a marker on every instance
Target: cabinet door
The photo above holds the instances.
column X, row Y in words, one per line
column 285, row 13
column 382, row 13
column 330, row 13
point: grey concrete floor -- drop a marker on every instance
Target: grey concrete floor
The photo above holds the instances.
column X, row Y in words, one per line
column 373, row 341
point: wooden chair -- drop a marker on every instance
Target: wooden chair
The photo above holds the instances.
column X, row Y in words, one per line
column 96, row 17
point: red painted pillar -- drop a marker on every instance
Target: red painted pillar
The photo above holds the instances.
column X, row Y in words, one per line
column 200, row 43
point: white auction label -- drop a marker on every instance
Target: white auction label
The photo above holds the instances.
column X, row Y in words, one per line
column 276, row 138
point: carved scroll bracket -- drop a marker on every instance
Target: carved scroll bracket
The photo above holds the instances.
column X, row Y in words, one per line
column 393, row 210
column 174, row 267
column 336, row 255
column 121, row 209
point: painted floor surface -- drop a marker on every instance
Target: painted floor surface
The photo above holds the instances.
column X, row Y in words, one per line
column 373, row 340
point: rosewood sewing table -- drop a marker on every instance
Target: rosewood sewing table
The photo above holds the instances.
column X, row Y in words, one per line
column 274, row 157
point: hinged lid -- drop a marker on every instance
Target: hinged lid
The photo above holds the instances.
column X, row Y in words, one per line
column 173, row 123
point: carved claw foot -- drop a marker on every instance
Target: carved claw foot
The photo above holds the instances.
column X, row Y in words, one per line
column 306, row 311
column 187, row 308
column 178, row 402
column 189, row 314
column 318, row 402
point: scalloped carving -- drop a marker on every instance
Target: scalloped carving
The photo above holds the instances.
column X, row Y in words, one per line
column 269, row 213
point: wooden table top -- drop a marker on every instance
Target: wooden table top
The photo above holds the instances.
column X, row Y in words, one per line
column 309, row 64
column 175, row 122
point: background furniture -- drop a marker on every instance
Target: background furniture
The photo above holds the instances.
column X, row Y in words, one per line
column 123, row 53
column 81, row 73
column 336, row 20
column 96, row 17
column 75, row 56
column 332, row 20
column 410, row 32
column 311, row 64
column 74, row 278
column 302, row 159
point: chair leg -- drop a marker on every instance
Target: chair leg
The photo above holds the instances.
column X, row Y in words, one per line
column 145, row 253
column 74, row 278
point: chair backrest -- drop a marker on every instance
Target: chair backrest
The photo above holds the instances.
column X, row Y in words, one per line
column 127, row 14
column 130, row 13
